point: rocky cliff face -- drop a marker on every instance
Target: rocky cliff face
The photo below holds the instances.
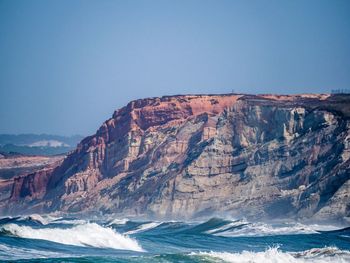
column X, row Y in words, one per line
column 186, row 156
column 17, row 166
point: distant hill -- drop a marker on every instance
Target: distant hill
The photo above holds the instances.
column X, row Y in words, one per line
column 38, row 144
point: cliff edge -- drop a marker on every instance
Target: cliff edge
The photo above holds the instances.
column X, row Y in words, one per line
column 258, row 156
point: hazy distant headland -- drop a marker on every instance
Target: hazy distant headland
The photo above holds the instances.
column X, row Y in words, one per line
column 38, row 144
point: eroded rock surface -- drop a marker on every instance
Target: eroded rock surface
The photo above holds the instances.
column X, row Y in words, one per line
column 263, row 156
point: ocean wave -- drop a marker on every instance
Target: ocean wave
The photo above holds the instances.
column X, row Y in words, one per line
column 144, row 227
column 315, row 255
column 89, row 234
column 5, row 220
column 221, row 227
column 34, row 218
column 261, row 229
column 227, row 226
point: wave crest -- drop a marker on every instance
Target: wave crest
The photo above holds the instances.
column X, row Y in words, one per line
column 89, row 234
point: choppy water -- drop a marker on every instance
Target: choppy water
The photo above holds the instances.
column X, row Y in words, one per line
column 37, row 239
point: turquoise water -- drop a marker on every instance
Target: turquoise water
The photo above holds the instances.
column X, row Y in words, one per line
column 37, row 239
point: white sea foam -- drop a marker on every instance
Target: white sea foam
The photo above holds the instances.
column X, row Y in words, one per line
column 144, row 227
column 89, row 234
column 274, row 255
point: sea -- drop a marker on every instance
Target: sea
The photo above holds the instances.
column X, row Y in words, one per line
column 56, row 239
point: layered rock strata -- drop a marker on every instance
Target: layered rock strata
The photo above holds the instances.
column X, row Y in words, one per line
column 263, row 156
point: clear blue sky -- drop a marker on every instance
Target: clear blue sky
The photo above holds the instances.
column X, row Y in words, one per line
column 65, row 66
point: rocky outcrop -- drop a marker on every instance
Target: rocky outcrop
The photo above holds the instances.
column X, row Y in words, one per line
column 17, row 167
column 263, row 156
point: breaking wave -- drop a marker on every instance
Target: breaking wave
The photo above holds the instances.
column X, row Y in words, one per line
column 88, row 234
column 315, row 255
column 220, row 227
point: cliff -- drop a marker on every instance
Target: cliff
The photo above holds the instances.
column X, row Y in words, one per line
column 263, row 156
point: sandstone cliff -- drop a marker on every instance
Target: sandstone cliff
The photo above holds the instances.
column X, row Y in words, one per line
column 263, row 156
